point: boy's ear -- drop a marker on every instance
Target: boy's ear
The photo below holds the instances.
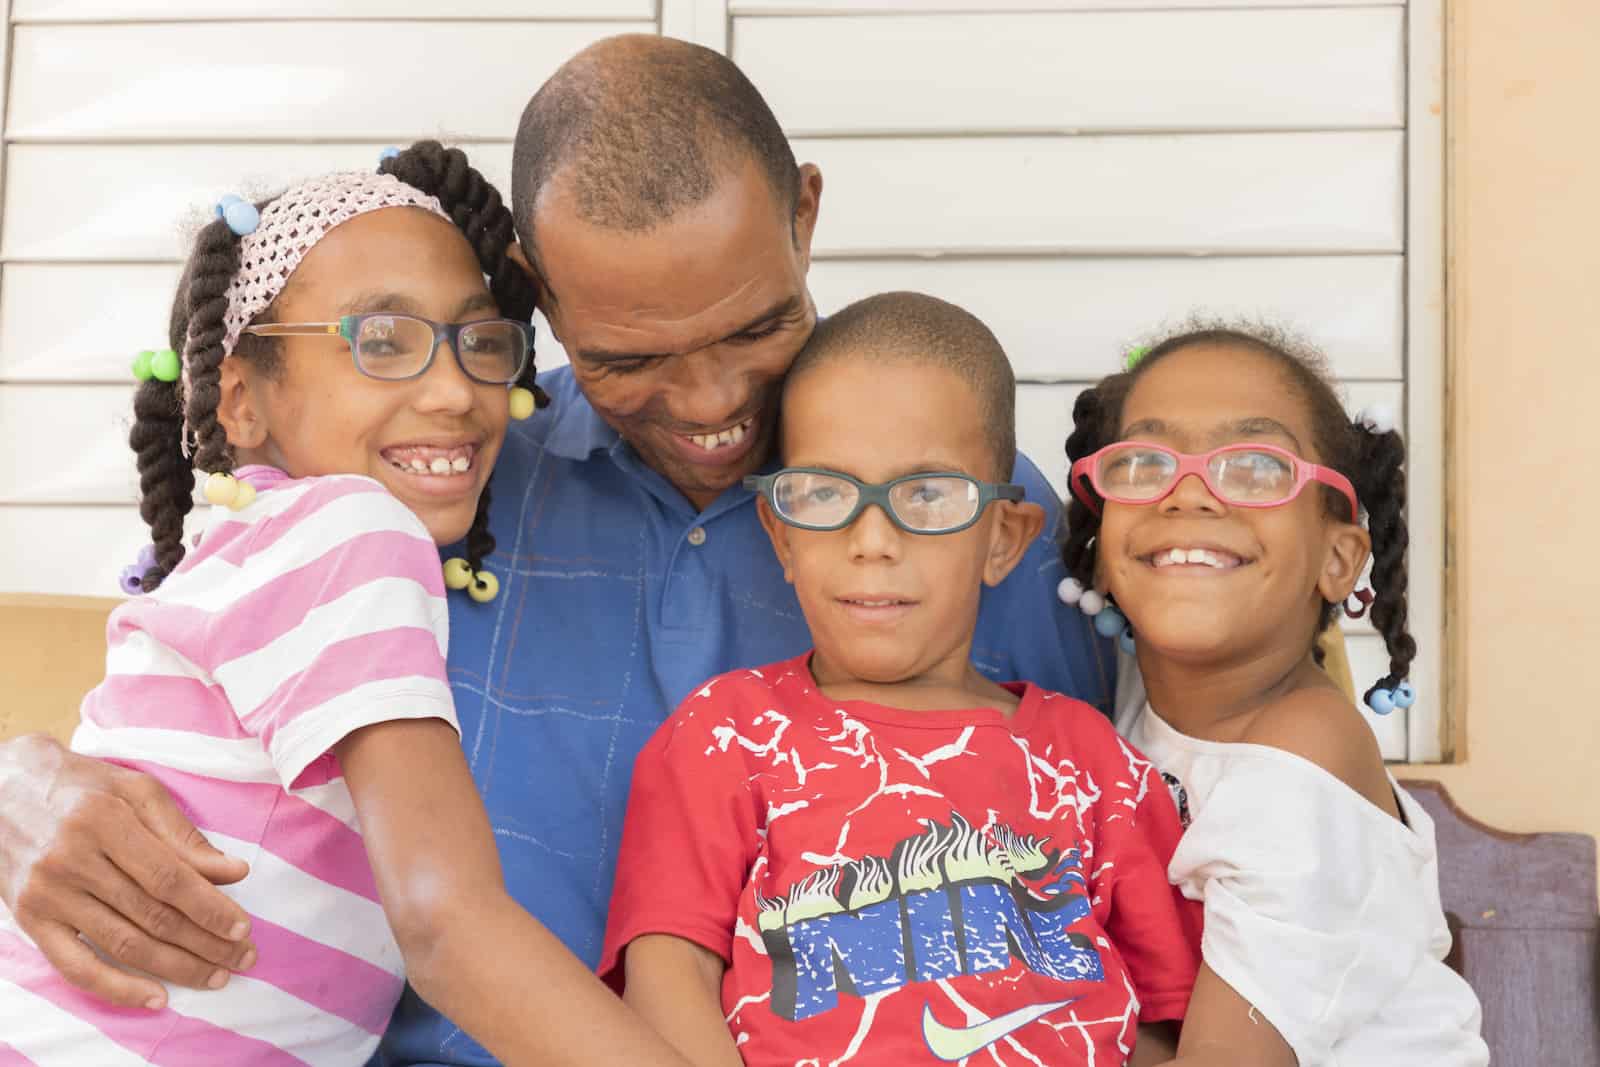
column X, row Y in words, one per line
column 1343, row 560
column 237, row 409
column 1015, row 525
column 778, row 534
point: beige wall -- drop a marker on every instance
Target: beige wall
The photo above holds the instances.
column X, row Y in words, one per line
column 1525, row 408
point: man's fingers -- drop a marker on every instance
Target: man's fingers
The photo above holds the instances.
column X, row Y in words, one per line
column 78, row 964
column 160, row 815
column 161, row 872
column 190, row 955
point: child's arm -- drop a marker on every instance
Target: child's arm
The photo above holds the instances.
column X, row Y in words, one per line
column 1223, row 1030
column 1157, row 1043
column 677, row 987
column 469, row 949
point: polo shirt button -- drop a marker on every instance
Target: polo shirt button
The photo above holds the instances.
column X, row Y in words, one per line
column 697, row 536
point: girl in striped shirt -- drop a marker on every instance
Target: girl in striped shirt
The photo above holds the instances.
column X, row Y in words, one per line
column 345, row 381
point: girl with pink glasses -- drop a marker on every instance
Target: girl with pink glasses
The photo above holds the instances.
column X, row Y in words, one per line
column 1220, row 491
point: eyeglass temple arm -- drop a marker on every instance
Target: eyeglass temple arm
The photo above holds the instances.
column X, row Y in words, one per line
column 293, row 329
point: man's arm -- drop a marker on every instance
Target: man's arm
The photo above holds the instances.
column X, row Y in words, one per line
column 677, row 987
column 98, row 850
column 470, row 950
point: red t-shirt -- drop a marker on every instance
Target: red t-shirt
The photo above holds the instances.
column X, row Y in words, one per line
column 894, row 887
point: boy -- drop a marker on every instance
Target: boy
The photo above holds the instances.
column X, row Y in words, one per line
column 873, row 853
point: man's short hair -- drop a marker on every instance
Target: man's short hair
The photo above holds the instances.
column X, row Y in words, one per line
column 643, row 127
column 914, row 327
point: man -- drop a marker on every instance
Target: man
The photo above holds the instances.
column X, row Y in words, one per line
column 670, row 229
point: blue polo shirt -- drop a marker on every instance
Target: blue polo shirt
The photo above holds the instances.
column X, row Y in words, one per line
column 617, row 599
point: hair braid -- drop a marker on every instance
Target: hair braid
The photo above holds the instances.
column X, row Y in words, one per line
column 475, row 206
column 1381, row 486
column 166, row 481
column 1086, row 438
column 205, row 295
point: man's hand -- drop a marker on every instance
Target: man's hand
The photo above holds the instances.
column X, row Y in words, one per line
column 94, row 849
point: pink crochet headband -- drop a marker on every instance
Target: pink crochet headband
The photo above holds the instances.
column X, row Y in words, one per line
column 293, row 224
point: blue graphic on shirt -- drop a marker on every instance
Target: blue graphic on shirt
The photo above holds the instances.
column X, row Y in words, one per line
column 947, row 902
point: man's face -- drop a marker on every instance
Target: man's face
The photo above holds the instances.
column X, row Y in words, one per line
column 680, row 336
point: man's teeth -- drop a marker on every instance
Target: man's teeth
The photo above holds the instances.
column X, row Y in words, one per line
column 712, row 441
column 1195, row 556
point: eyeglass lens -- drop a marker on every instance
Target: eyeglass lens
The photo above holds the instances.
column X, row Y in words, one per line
column 398, row 346
column 1240, row 475
column 927, row 505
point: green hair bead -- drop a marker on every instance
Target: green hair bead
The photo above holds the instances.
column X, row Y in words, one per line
column 141, row 365
column 1134, row 356
column 164, row 365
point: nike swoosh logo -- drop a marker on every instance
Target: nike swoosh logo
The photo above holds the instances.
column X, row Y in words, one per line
column 950, row 1043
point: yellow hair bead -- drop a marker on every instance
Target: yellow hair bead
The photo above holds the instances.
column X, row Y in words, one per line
column 484, row 588
column 522, row 404
column 243, row 497
column 457, row 575
column 221, row 489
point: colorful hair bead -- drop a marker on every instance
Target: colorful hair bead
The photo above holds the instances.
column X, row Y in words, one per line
column 240, row 215
column 457, row 573
column 1069, row 591
column 1131, row 360
column 388, row 153
column 142, row 370
column 165, row 365
column 522, row 403
column 1108, row 622
column 1405, row 695
column 1377, row 418
column 226, row 491
column 131, row 579
column 1381, row 701
column 484, row 588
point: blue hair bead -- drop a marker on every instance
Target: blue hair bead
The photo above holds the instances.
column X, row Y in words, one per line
column 1108, row 622
column 227, row 199
column 1381, row 701
column 1405, row 695
column 387, row 154
column 1125, row 640
column 241, row 216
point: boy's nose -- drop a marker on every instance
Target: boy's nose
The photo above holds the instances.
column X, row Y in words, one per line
column 874, row 536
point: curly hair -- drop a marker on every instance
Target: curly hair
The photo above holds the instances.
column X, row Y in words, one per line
column 1374, row 463
column 196, row 328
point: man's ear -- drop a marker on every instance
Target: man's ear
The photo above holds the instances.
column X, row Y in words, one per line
column 1344, row 557
column 1012, row 529
column 238, row 409
column 778, row 534
column 807, row 206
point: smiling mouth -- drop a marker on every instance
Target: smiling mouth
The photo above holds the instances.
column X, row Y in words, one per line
column 431, row 461
column 1194, row 559
column 712, row 442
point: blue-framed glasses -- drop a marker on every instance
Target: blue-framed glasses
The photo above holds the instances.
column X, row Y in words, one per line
column 942, row 502
column 394, row 347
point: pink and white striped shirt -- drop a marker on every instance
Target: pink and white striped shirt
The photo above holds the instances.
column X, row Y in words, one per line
column 315, row 611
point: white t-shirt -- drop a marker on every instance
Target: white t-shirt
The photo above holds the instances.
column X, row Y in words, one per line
column 1320, row 909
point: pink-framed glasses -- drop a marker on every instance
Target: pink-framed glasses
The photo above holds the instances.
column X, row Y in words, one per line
column 1240, row 475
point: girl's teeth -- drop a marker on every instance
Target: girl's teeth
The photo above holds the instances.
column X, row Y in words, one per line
column 460, row 463
column 440, row 465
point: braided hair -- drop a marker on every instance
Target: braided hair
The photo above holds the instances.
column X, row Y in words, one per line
column 196, row 328
column 1374, row 462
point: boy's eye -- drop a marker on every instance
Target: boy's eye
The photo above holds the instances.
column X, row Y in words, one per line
column 822, row 494
column 925, row 493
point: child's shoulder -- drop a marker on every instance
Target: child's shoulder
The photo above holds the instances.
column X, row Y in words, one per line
column 1320, row 725
column 318, row 513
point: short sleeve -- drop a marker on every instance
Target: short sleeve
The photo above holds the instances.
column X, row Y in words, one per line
column 335, row 619
column 1025, row 631
column 1155, row 929
column 1315, row 911
column 690, row 836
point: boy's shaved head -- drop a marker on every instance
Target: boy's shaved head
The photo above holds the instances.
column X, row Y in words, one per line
column 636, row 128
column 914, row 327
